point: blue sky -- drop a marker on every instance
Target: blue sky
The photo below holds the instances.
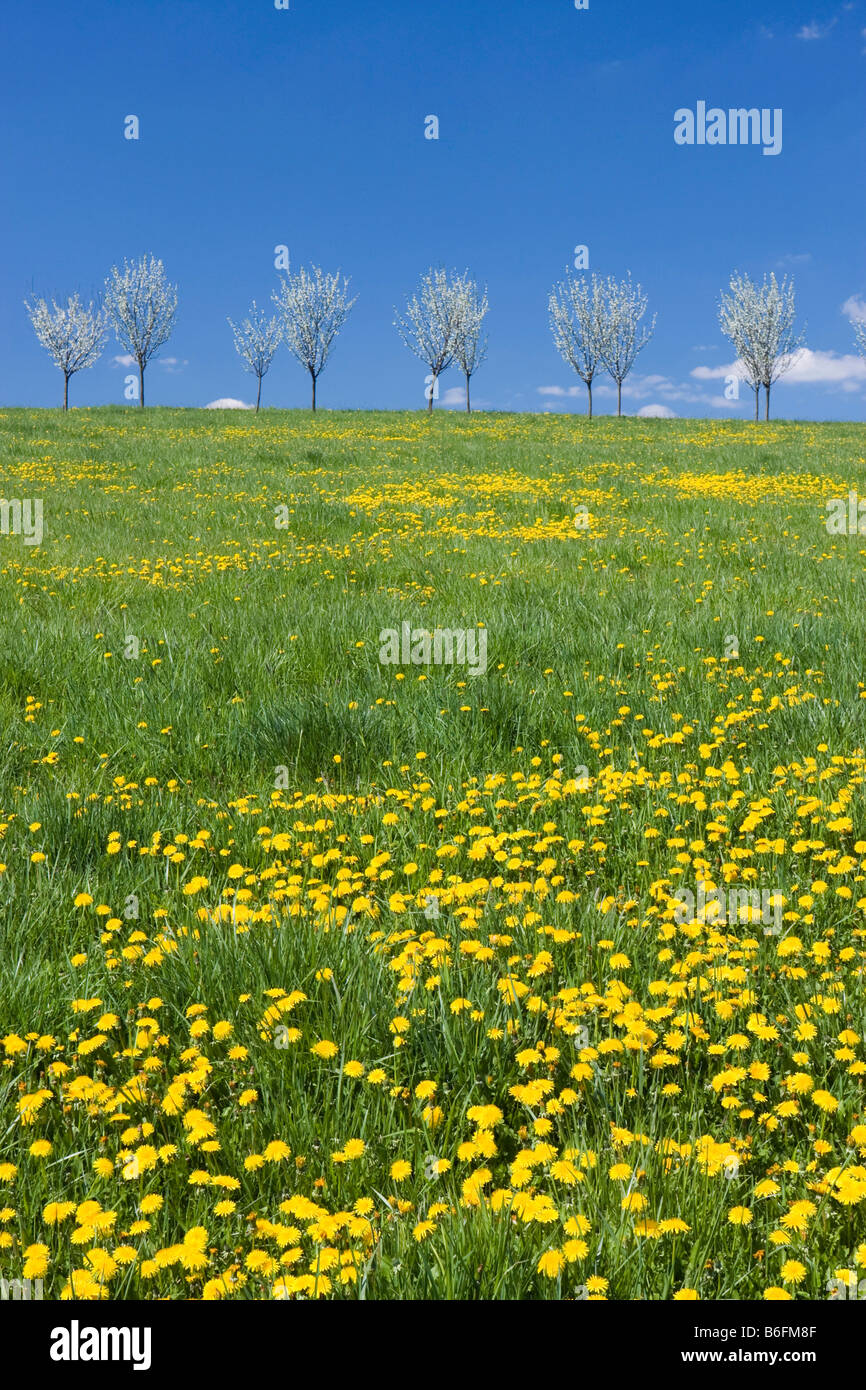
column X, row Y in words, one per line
column 305, row 127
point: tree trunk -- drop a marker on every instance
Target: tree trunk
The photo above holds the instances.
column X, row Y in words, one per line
column 432, row 392
column 589, row 390
column 757, row 402
column 767, row 415
column 468, row 405
column 259, row 396
column 65, row 390
column 619, row 398
column 141, row 385
column 314, row 391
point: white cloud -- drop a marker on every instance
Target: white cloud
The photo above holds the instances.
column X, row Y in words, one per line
column 717, row 373
column 836, row 372
column 171, row 364
column 854, row 309
column 656, row 412
column 226, row 403
column 846, row 370
column 649, row 385
column 638, row 388
column 815, row 30
column 828, row 368
column 455, row 398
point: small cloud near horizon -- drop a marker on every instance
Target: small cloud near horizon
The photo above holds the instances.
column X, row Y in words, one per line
column 844, row 371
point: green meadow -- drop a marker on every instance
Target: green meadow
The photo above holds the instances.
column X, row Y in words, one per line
column 326, row 976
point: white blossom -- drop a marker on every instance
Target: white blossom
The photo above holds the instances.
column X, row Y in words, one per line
column 73, row 334
column 470, row 348
column 759, row 321
column 622, row 338
column 576, row 313
column 256, row 341
column 431, row 324
column 141, row 305
column 740, row 320
column 314, row 306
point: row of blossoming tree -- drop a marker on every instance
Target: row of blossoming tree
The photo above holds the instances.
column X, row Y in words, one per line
column 597, row 325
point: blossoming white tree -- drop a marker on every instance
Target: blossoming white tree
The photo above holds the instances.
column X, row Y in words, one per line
column 314, row 306
column 576, row 313
column 740, row 317
column 759, row 320
column 622, row 337
column 141, row 305
column 860, row 336
column 781, row 344
column 256, row 341
column 431, row 324
column 470, row 349
column 73, row 334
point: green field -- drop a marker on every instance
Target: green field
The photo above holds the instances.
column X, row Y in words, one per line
column 324, row 977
